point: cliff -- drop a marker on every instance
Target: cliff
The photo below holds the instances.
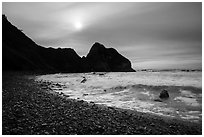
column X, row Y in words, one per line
column 20, row 53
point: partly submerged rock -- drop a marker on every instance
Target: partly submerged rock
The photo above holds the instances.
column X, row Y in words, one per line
column 164, row 94
column 84, row 80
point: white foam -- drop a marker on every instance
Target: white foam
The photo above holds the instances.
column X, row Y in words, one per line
column 127, row 98
column 123, row 79
column 193, row 112
column 187, row 93
column 188, row 101
column 146, row 93
column 190, row 117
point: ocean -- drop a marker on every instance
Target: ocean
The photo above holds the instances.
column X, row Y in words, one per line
column 137, row 91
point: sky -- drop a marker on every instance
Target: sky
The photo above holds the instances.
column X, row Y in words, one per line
column 152, row 35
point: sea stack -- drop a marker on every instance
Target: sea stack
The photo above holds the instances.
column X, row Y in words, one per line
column 102, row 59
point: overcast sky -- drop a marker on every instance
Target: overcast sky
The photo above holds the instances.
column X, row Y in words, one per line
column 151, row 35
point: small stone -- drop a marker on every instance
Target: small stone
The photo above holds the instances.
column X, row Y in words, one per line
column 85, row 94
column 46, row 133
column 58, row 85
column 44, row 124
column 66, row 95
column 158, row 100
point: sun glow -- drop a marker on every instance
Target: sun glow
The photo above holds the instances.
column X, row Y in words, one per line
column 78, row 25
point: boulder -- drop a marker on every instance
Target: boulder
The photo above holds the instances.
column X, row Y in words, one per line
column 164, row 94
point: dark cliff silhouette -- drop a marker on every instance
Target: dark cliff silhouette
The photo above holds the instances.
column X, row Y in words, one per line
column 107, row 59
column 19, row 52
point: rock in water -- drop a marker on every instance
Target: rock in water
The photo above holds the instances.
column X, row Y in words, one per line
column 84, row 80
column 164, row 94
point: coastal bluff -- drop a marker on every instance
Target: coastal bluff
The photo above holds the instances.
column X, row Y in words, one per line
column 20, row 53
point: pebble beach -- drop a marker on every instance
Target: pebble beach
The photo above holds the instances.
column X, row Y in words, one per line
column 30, row 108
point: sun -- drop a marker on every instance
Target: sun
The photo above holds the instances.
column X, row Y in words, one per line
column 78, row 25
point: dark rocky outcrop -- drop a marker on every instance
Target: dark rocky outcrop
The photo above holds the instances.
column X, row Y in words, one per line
column 20, row 53
column 107, row 59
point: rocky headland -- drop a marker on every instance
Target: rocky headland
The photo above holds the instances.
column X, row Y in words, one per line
column 22, row 54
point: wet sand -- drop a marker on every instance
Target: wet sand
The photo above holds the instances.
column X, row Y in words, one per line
column 31, row 108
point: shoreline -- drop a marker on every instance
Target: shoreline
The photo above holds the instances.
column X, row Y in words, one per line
column 136, row 92
column 29, row 108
